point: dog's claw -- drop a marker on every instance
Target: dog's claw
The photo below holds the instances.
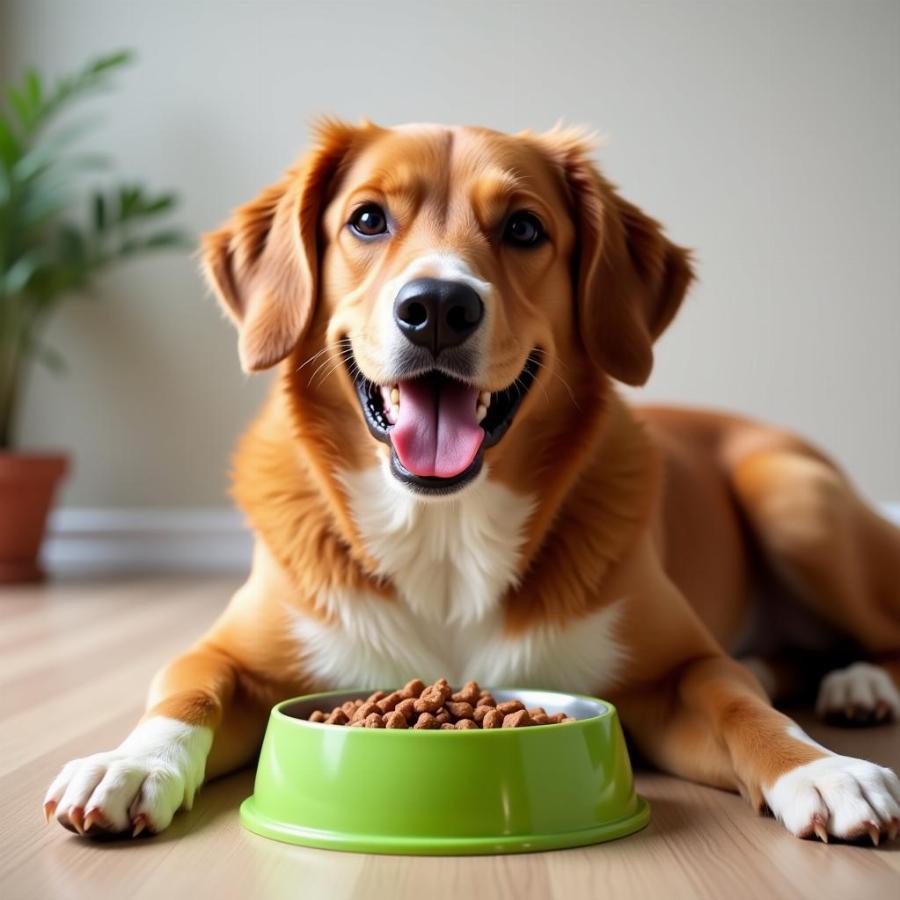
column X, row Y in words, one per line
column 76, row 819
column 139, row 823
column 93, row 816
column 874, row 832
column 49, row 809
column 820, row 830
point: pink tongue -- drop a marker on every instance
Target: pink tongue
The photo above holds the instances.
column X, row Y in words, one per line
column 436, row 433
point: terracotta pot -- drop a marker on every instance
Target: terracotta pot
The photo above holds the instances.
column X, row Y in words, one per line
column 27, row 485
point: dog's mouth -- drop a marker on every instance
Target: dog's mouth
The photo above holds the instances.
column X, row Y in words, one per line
column 438, row 426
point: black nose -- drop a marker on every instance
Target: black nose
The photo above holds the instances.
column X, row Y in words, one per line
column 437, row 314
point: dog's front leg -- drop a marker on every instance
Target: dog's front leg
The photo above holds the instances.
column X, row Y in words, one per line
column 697, row 713
column 708, row 721
column 205, row 715
column 160, row 765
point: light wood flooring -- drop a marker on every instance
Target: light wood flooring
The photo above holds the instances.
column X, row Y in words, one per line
column 75, row 661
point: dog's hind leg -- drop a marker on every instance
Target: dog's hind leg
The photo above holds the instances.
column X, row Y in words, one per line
column 839, row 558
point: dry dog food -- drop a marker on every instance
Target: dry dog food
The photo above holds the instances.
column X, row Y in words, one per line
column 436, row 706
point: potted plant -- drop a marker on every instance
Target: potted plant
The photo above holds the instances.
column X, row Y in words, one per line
column 53, row 242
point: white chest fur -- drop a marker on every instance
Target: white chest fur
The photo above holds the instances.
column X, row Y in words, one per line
column 451, row 562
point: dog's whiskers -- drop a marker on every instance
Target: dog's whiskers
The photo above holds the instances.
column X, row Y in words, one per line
column 562, row 381
column 343, row 357
column 344, row 352
column 313, row 358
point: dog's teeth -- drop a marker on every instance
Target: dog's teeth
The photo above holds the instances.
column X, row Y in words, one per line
column 395, row 413
column 481, row 412
column 485, row 398
column 395, row 396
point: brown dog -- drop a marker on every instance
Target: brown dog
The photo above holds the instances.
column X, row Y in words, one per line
column 445, row 482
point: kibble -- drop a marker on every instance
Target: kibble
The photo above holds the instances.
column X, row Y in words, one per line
column 365, row 710
column 426, row 720
column 468, row 693
column 460, row 709
column 436, row 707
column 389, row 703
column 518, row 719
column 413, row 688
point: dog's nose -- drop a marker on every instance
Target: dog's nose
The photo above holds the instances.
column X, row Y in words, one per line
column 437, row 314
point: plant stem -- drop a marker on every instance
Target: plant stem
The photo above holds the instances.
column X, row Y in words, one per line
column 9, row 384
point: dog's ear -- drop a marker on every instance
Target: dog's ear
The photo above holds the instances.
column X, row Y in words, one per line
column 630, row 278
column 263, row 264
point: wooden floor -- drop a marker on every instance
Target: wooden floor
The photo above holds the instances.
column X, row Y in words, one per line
column 75, row 659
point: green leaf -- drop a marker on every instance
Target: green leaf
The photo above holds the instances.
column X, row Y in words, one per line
column 111, row 61
column 129, row 197
column 161, row 204
column 45, row 153
column 72, row 246
column 10, row 148
column 172, row 238
column 99, row 212
column 21, row 106
column 17, row 276
column 43, row 203
column 33, row 89
column 67, row 89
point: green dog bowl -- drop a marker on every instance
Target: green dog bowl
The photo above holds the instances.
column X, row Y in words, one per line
column 506, row 790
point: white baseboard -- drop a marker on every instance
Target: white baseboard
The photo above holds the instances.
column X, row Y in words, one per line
column 107, row 541
column 100, row 541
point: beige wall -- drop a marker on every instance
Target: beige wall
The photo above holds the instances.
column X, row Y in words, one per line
column 765, row 134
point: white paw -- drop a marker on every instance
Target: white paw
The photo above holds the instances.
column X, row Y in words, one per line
column 141, row 784
column 860, row 693
column 840, row 796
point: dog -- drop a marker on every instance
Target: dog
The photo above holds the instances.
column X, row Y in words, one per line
column 444, row 481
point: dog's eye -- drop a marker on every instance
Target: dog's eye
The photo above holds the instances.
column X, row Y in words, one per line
column 369, row 221
column 523, row 229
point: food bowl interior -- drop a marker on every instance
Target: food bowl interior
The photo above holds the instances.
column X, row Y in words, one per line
column 571, row 704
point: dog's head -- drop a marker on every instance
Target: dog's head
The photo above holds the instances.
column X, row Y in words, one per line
column 443, row 273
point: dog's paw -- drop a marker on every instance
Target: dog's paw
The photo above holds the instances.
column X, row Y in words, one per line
column 140, row 785
column 839, row 796
column 860, row 694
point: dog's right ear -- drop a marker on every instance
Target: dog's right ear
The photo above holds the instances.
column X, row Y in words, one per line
column 631, row 279
column 263, row 264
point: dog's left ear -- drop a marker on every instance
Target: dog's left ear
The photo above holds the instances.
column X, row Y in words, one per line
column 263, row 264
column 631, row 278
